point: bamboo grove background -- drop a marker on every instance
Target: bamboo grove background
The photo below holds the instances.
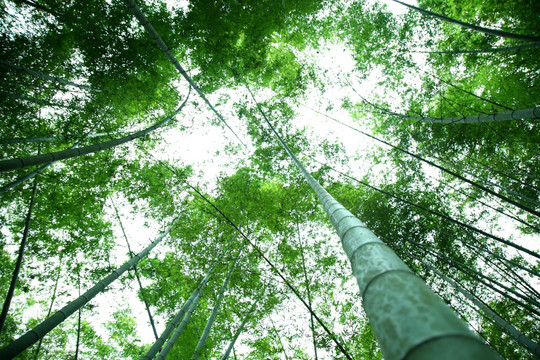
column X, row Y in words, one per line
column 430, row 137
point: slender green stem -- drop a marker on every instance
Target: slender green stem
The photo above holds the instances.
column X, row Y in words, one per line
column 131, row 254
column 308, row 290
column 161, row 44
column 20, row 257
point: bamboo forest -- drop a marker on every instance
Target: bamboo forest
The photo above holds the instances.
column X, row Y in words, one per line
column 272, row 179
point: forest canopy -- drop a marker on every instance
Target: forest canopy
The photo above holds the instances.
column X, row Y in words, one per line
column 269, row 179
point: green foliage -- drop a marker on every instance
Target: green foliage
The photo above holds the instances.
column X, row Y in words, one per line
column 122, row 330
column 235, row 40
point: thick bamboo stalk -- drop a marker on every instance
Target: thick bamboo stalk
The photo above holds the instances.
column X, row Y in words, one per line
column 169, row 344
column 407, row 318
column 482, row 51
column 523, row 114
column 49, row 138
column 30, row 175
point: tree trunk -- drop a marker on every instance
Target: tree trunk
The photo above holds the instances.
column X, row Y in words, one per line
column 20, row 163
column 484, row 30
column 29, row 176
column 47, row 138
column 33, row 173
column 198, row 334
column 45, row 76
column 131, row 254
column 523, row 114
column 522, row 339
column 31, row 337
column 213, row 314
column 20, row 256
column 482, row 51
column 407, row 318
column 154, row 35
column 169, row 344
column 453, row 173
column 193, row 299
column 306, row 280
column 239, row 331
